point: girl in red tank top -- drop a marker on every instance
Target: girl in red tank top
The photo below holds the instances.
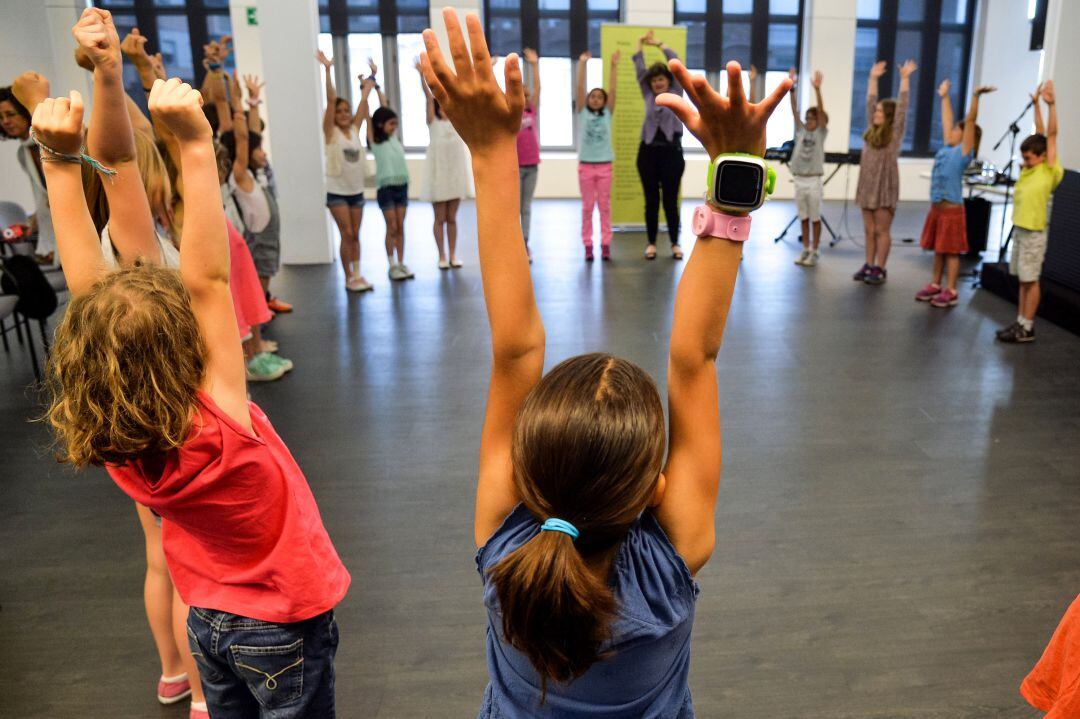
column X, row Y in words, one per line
column 148, row 380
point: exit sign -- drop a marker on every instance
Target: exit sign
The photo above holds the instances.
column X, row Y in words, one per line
column 252, row 16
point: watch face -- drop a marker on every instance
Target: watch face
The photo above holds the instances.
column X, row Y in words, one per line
column 739, row 184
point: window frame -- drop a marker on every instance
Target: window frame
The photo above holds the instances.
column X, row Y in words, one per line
column 930, row 27
column 760, row 20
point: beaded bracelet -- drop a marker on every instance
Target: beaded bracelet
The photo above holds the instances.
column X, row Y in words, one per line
column 55, row 156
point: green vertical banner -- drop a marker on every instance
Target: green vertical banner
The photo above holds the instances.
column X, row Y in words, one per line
column 627, row 198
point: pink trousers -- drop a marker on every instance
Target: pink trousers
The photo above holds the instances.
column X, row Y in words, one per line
column 249, row 301
column 595, row 180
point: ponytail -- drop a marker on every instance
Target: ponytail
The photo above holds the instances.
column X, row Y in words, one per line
column 555, row 610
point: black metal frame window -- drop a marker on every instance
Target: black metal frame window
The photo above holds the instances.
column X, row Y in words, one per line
column 177, row 29
column 936, row 34
column 387, row 31
column 763, row 33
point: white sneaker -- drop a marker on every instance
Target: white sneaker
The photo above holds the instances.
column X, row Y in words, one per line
column 444, row 265
column 811, row 259
column 408, row 274
column 358, row 284
column 396, row 274
column 803, row 258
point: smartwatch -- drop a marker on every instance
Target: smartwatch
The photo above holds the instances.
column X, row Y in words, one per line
column 739, row 182
column 709, row 222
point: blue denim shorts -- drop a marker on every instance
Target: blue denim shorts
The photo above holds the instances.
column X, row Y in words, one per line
column 356, row 200
column 252, row 668
column 393, row 196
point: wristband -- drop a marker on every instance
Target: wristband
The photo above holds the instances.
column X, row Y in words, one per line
column 56, row 156
column 709, row 222
column 214, row 66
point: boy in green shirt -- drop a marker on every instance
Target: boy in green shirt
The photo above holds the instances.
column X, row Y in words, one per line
column 1040, row 176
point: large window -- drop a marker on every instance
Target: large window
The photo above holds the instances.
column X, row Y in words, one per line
column 386, row 32
column 559, row 30
column 934, row 33
column 177, row 29
column 764, row 33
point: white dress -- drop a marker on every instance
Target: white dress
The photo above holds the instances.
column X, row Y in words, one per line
column 446, row 166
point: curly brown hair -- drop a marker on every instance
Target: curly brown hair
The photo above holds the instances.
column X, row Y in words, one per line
column 126, row 365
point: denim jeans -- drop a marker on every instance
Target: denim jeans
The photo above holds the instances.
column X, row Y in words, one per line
column 251, row 668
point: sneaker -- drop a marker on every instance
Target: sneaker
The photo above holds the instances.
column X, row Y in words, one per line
column 277, row 305
column 876, row 276
column 801, row 262
column 409, row 274
column 456, row 263
column 605, row 252
column 860, row 276
column 286, row 364
column 444, row 265
column 200, row 712
column 173, row 689
column 396, row 274
column 1008, row 329
column 928, row 293
column 812, row 260
column 262, row 368
column 359, row 284
column 945, row 298
column 1018, row 335
column 588, row 253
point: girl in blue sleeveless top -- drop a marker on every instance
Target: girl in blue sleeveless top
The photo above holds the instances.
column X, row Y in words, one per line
column 588, row 541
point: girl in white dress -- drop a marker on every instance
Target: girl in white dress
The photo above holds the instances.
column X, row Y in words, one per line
column 446, row 178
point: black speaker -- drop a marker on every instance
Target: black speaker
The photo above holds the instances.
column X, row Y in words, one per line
column 1038, row 25
column 1062, row 262
column 977, row 220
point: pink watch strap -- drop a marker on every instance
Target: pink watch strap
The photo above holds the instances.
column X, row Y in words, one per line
column 724, row 226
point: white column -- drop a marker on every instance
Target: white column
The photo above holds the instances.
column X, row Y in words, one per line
column 247, row 41
column 286, row 39
column 658, row 13
column 1062, row 59
column 829, row 46
column 462, row 7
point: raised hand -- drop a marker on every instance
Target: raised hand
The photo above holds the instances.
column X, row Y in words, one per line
column 324, row 60
column 943, row 88
column 82, row 59
column 908, row 69
column 530, row 56
column 485, row 117
column 158, row 65
column 878, row 69
column 585, row 56
column 1048, row 94
column 58, row 123
column 178, row 106
column 722, row 124
column 817, row 78
column 648, row 38
column 29, row 89
column 134, row 46
column 615, row 57
column 1035, row 96
column 96, row 34
column 984, row 89
column 753, row 73
column 254, row 87
column 374, row 68
column 792, row 74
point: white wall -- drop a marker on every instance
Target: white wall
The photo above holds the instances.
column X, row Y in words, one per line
column 36, row 35
column 1062, row 63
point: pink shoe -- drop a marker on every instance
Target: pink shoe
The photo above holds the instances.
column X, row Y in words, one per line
column 174, row 689
column 605, row 252
column 198, row 714
column 928, row 293
column 945, row 298
column 588, row 253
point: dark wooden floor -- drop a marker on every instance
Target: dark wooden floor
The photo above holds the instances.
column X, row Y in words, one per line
column 898, row 519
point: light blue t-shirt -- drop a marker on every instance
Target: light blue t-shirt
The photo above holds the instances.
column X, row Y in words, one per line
column 594, row 130
column 947, row 177
column 390, row 166
column 648, row 670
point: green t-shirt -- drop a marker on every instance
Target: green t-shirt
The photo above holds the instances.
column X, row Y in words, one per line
column 1032, row 194
column 594, row 131
column 390, row 167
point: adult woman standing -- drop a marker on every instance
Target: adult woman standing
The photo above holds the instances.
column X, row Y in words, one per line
column 17, row 105
column 660, row 157
column 879, row 172
column 446, row 178
column 346, row 172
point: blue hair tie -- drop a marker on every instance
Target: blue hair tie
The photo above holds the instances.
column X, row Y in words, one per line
column 559, row 525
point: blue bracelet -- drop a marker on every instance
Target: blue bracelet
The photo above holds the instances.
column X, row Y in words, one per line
column 80, row 158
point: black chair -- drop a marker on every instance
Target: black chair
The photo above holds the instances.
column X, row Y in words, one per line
column 37, row 300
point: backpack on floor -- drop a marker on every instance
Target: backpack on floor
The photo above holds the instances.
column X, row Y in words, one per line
column 23, row 278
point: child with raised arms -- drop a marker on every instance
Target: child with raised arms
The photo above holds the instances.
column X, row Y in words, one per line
column 945, row 229
column 595, row 155
column 391, row 177
column 589, row 542
column 807, row 166
column 147, row 379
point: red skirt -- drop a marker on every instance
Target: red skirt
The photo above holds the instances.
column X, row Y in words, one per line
column 945, row 231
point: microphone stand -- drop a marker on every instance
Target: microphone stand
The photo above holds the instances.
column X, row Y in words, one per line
column 1013, row 130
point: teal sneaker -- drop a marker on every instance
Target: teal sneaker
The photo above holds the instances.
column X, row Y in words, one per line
column 286, row 363
column 263, row 368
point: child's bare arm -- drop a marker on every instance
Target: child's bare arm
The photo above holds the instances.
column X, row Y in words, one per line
column 686, row 511
column 794, row 95
column 1050, row 99
column 331, row 95
column 972, row 117
column 823, row 117
column 613, row 81
column 580, row 91
column 241, row 166
column 254, row 90
column 57, row 124
column 1040, row 128
column 204, row 247
column 488, row 121
column 111, row 141
column 946, row 109
column 533, row 58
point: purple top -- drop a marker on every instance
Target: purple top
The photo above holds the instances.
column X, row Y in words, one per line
column 528, row 139
column 657, row 119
